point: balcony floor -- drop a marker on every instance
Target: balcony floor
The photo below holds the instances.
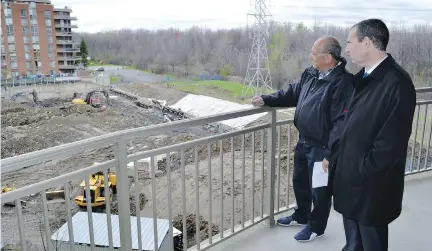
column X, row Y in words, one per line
column 411, row 231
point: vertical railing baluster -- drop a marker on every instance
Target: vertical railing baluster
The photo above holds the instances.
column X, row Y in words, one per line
column 253, row 177
column 108, row 194
column 422, row 138
column 46, row 220
column 271, row 142
column 232, row 186
column 262, row 173
column 89, row 212
column 243, row 182
column 414, row 139
column 209, row 155
column 123, row 195
column 288, row 166
column 183, row 189
column 279, row 136
column 197, row 219
column 69, row 215
column 221, row 190
column 138, row 204
column 154, row 204
column 21, row 225
column 428, row 147
column 170, row 231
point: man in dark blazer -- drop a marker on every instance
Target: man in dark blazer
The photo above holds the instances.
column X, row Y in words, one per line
column 369, row 163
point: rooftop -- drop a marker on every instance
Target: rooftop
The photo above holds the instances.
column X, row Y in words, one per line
column 82, row 236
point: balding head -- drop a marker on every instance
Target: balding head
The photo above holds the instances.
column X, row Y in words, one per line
column 326, row 53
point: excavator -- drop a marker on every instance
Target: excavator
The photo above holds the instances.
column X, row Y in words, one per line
column 24, row 94
column 92, row 98
column 98, row 187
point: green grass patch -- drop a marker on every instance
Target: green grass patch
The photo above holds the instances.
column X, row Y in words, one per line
column 215, row 88
column 134, row 68
column 114, row 79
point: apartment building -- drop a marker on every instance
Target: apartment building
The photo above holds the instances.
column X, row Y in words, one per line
column 36, row 39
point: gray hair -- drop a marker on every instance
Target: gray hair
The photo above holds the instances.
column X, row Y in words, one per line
column 331, row 46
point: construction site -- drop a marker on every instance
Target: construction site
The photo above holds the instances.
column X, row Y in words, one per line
column 43, row 116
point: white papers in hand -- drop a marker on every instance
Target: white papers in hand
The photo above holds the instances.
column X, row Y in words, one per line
column 319, row 177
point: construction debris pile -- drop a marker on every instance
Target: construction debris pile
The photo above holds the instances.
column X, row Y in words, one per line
column 191, row 228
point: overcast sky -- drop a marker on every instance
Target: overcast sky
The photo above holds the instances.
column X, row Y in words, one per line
column 102, row 15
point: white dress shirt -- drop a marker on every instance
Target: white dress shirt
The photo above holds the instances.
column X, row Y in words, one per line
column 369, row 71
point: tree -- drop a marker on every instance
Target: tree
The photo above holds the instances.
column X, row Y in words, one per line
column 84, row 53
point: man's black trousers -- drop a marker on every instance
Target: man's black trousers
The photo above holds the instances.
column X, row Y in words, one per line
column 305, row 156
column 364, row 238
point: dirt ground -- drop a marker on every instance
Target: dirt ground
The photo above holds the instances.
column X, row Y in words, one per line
column 29, row 127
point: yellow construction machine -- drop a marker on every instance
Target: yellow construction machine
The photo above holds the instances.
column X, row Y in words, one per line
column 97, row 189
column 7, row 189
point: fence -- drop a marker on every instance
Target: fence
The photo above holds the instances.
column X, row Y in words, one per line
column 233, row 181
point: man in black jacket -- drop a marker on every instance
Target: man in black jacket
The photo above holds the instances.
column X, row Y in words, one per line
column 321, row 97
column 370, row 161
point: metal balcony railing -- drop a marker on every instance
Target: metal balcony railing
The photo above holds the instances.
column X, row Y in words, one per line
column 250, row 166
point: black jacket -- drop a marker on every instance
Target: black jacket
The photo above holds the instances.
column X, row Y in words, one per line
column 370, row 166
column 321, row 104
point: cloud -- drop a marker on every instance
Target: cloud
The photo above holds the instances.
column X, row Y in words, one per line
column 99, row 15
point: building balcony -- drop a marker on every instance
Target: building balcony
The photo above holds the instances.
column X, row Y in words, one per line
column 63, row 34
column 64, row 9
column 68, row 49
column 58, row 17
column 59, row 41
column 253, row 165
column 62, row 58
column 71, row 26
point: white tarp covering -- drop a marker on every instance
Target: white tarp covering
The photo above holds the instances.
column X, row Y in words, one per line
column 200, row 106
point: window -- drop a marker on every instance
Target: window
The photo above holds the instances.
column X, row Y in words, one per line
column 8, row 12
column 26, row 39
column 24, row 21
column 35, row 39
column 23, row 13
column 36, row 47
column 11, row 47
column 47, row 14
column 8, row 20
column 50, row 46
column 14, row 65
column 32, row 12
column 47, row 22
column 9, row 30
column 29, row 72
column 15, row 74
column 28, row 65
column 11, row 39
column 34, row 30
column 38, row 63
column 50, row 39
column 52, row 63
column 13, row 58
column 25, row 31
column 27, row 48
column 51, row 55
column 27, row 56
column 49, row 30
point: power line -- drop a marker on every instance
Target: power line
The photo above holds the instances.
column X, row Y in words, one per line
column 355, row 8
